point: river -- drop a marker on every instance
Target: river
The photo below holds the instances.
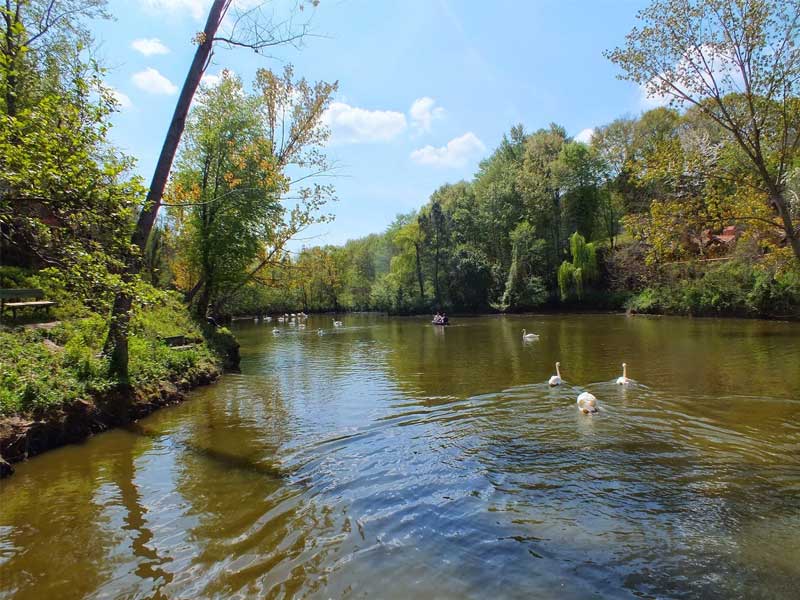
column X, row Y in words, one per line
column 392, row 459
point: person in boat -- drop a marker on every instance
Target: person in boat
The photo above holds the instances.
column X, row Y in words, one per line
column 445, row 320
column 437, row 319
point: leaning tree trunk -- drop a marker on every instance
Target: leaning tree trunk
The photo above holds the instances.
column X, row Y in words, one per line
column 779, row 202
column 117, row 341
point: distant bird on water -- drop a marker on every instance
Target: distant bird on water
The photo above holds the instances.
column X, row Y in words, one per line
column 556, row 379
column 529, row 336
column 624, row 379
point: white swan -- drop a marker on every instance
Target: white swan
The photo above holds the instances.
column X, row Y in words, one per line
column 529, row 336
column 587, row 403
column 556, row 379
column 624, row 379
column 337, row 323
column 276, row 331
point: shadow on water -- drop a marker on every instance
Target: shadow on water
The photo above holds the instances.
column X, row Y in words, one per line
column 224, row 459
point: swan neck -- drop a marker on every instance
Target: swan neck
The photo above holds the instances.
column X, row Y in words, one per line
column 624, row 371
column 558, row 371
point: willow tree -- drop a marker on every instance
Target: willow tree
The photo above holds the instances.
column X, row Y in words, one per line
column 573, row 277
column 251, row 29
column 738, row 62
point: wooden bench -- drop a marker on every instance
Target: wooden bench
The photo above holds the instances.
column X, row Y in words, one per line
column 181, row 342
column 18, row 294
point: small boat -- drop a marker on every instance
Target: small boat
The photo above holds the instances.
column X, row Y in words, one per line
column 440, row 323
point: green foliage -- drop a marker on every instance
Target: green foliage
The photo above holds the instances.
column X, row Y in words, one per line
column 574, row 277
column 734, row 288
column 228, row 222
column 470, row 278
column 43, row 369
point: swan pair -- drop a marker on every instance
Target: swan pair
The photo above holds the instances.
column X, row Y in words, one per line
column 556, row 379
column 527, row 337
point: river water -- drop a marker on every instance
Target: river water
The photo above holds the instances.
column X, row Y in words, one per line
column 393, row 459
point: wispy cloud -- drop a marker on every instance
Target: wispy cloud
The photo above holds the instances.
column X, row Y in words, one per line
column 423, row 112
column 149, row 46
column 585, row 135
column 196, row 8
column 153, row 82
column 211, row 79
column 354, row 125
column 122, row 99
column 457, row 152
column 698, row 70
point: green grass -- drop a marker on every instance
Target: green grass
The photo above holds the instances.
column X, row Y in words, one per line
column 40, row 369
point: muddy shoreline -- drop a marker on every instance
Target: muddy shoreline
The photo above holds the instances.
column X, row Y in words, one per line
column 22, row 437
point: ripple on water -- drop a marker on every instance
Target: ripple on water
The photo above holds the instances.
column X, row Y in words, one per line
column 337, row 466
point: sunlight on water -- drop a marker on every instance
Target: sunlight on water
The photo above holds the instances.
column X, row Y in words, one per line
column 391, row 459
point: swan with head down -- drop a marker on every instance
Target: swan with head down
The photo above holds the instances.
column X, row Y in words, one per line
column 587, row 403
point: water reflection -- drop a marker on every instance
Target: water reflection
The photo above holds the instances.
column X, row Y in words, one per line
column 390, row 458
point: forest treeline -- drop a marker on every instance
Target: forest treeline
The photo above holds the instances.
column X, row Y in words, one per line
column 656, row 213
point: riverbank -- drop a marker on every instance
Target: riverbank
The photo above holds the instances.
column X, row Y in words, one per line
column 56, row 388
column 25, row 436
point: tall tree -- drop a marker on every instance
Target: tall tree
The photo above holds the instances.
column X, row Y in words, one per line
column 259, row 36
column 738, row 62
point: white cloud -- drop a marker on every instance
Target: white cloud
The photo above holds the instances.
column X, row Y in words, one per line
column 211, row 80
column 584, row 135
column 694, row 73
column 149, row 46
column 354, row 125
column 196, row 8
column 122, row 99
column 150, row 80
column 456, row 153
column 423, row 112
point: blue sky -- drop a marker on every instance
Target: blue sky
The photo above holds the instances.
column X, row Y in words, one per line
column 427, row 88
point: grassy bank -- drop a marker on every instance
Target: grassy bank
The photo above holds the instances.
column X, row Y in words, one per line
column 55, row 385
column 44, row 368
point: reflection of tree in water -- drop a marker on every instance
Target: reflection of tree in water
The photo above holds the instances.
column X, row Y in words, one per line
column 59, row 539
column 150, row 565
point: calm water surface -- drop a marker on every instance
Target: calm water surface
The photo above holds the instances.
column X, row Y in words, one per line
column 392, row 459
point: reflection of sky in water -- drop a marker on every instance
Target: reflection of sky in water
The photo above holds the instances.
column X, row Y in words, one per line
column 391, row 458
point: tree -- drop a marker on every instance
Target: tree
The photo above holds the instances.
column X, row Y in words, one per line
column 32, row 30
column 542, row 192
column 226, row 188
column 573, row 277
column 526, row 287
column 259, row 36
column 738, row 62
column 66, row 196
